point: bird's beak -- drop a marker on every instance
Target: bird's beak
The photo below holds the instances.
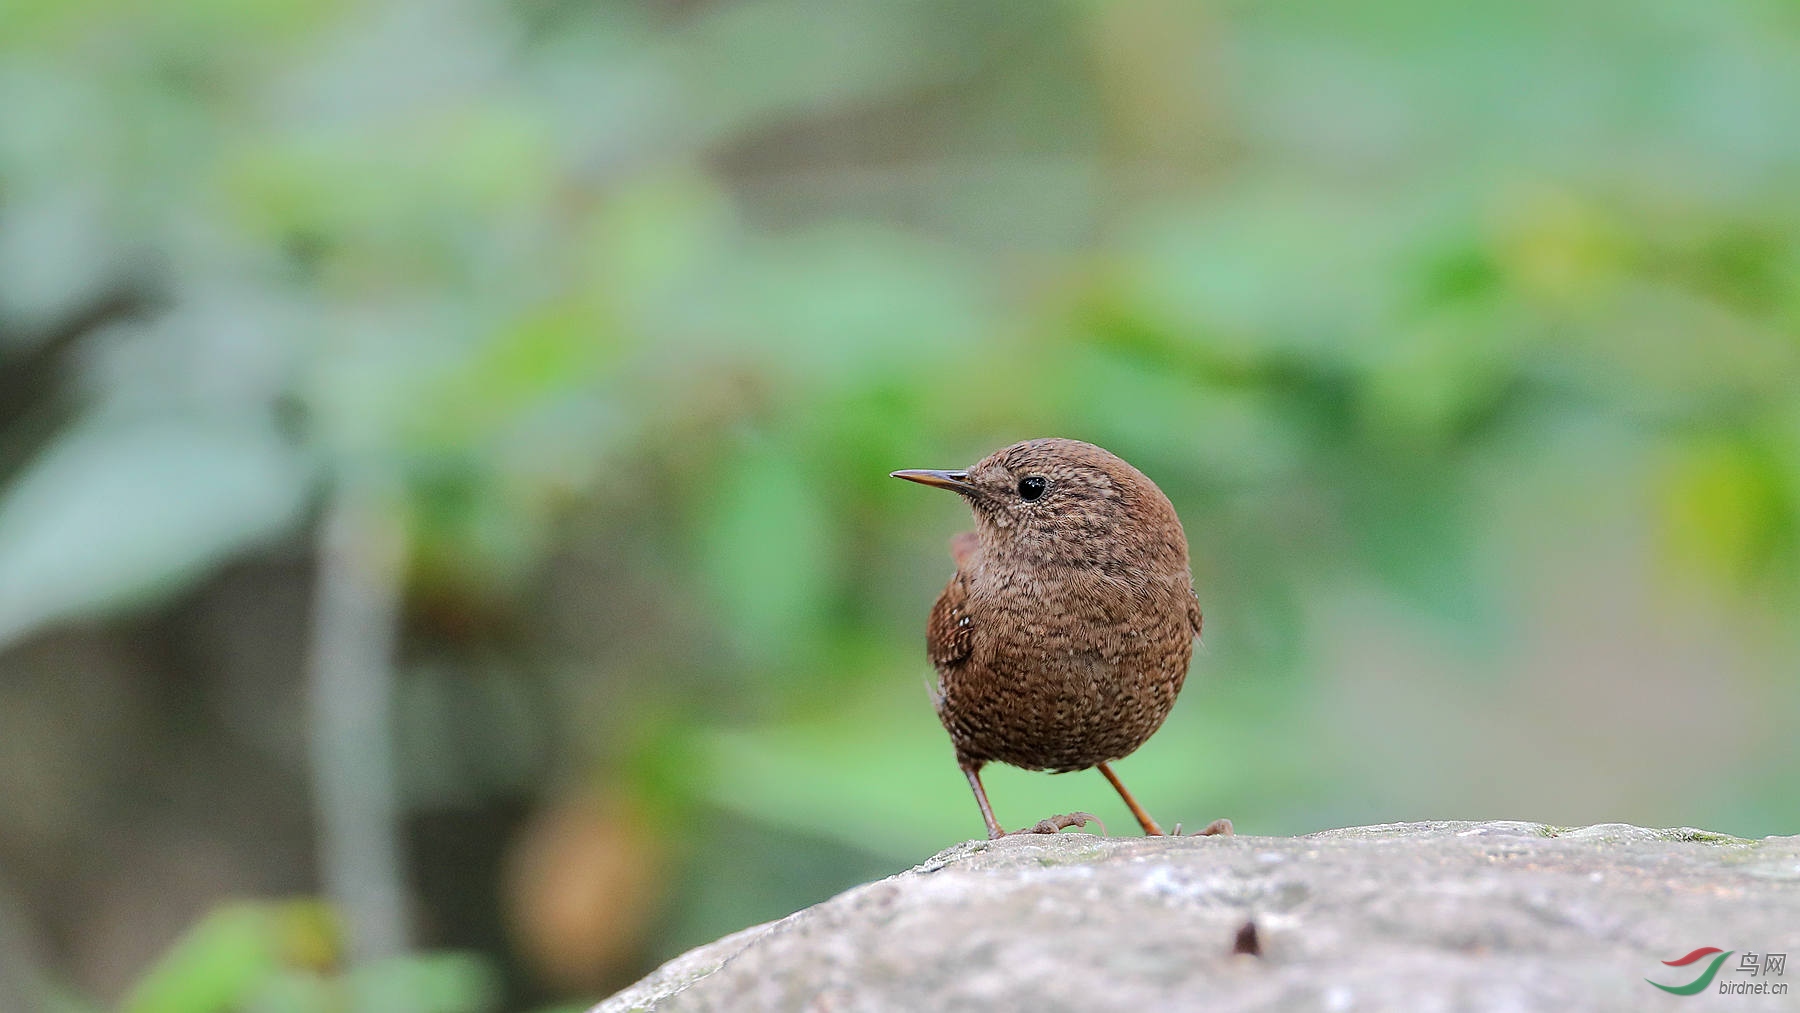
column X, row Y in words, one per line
column 956, row 481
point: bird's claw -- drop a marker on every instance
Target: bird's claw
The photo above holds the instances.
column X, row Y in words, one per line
column 1217, row 828
column 1056, row 824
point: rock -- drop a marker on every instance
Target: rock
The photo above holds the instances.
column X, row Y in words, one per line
column 1415, row 916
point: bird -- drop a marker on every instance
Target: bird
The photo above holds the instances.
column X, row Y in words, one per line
column 1064, row 637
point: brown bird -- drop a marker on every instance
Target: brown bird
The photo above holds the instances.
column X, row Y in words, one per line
column 1065, row 635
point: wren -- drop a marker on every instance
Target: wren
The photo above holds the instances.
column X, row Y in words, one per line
column 1065, row 635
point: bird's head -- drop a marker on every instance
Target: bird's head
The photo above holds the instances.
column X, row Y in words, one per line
column 1054, row 501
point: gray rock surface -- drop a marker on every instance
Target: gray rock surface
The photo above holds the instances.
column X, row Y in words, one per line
column 1416, row 916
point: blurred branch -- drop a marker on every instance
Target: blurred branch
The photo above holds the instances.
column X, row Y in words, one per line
column 355, row 624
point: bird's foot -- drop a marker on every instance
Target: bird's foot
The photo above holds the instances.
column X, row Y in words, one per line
column 1217, row 828
column 1056, row 824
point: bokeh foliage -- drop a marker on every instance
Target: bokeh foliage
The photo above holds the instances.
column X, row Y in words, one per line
column 637, row 303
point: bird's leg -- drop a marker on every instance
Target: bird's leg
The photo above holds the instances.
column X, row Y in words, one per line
column 1143, row 818
column 973, row 773
column 1050, row 826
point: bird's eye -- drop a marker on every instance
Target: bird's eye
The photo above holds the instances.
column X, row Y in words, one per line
column 1031, row 487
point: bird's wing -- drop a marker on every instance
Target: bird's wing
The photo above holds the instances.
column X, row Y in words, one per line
column 951, row 632
column 1194, row 611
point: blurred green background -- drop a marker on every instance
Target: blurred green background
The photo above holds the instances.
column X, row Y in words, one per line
column 446, row 554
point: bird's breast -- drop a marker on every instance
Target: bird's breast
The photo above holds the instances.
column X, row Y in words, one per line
column 1062, row 673
column 1075, row 629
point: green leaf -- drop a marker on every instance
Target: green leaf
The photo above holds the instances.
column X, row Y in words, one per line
column 218, row 964
column 768, row 551
column 111, row 514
